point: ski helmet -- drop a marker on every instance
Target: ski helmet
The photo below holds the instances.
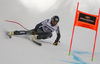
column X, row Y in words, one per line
column 55, row 19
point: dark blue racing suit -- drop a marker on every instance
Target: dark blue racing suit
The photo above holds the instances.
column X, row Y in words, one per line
column 43, row 30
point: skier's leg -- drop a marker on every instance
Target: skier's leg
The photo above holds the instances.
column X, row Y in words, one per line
column 41, row 34
column 44, row 36
column 18, row 33
column 39, row 30
column 21, row 32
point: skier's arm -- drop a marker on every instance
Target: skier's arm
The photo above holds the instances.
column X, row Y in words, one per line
column 58, row 35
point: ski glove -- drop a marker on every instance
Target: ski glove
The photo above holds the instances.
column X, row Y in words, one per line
column 56, row 42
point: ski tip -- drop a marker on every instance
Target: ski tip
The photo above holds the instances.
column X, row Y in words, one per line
column 5, row 20
column 8, row 35
column 40, row 44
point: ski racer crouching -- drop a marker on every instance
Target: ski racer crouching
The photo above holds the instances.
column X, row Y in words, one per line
column 43, row 30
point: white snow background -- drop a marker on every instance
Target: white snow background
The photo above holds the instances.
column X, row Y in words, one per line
column 20, row 50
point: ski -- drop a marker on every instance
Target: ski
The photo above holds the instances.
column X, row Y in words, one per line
column 36, row 42
column 7, row 33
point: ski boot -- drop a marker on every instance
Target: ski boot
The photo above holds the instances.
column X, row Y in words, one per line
column 9, row 34
column 34, row 37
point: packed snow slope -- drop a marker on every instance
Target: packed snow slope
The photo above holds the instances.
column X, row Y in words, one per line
column 20, row 50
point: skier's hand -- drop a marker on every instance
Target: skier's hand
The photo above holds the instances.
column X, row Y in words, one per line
column 56, row 42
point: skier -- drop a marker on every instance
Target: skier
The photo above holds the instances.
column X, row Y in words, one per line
column 43, row 30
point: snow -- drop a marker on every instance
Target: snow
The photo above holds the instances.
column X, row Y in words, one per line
column 20, row 50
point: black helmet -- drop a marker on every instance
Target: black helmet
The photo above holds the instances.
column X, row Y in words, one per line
column 55, row 19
